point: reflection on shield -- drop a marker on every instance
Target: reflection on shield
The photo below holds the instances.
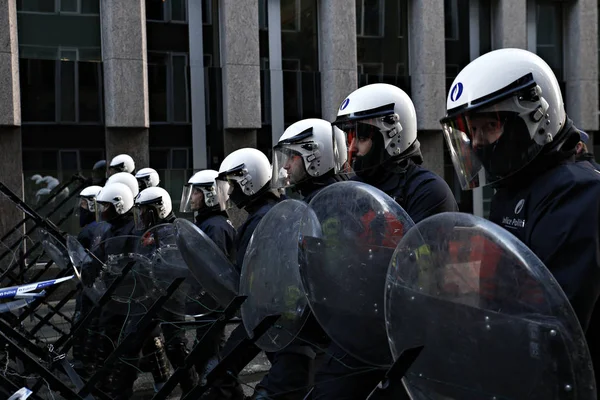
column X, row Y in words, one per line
column 493, row 321
column 55, row 249
column 347, row 238
column 207, row 263
column 271, row 279
column 158, row 245
column 77, row 254
column 133, row 296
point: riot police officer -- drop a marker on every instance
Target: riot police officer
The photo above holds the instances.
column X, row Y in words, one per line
column 121, row 163
column 506, row 126
column 381, row 128
column 245, row 180
column 147, row 177
column 153, row 207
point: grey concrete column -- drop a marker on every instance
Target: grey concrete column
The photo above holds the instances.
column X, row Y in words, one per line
column 509, row 24
column 337, row 53
column 125, row 78
column 11, row 161
column 240, row 62
column 428, row 77
column 581, row 63
column 196, row 36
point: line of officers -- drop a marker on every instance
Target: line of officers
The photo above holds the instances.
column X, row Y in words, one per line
column 505, row 126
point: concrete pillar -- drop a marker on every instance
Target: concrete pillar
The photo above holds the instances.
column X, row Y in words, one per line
column 198, row 109
column 428, row 77
column 240, row 62
column 125, row 79
column 581, row 63
column 11, row 162
column 509, row 24
column 337, row 53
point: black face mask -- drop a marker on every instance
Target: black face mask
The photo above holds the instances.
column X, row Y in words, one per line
column 368, row 166
column 86, row 217
column 511, row 152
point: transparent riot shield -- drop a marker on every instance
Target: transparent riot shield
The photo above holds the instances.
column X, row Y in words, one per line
column 158, row 244
column 55, row 249
column 492, row 319
column 134, row 295
column 347, row 237
column 207, row 263
column 271, row 279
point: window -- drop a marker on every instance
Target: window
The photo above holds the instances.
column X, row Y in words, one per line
column 207, row 12
column 90, row 7
column 370, row 17
column 65, row 90
column 373, row 72
column 549, row 35
column 451, row 19
column 290, row 15
column 174, row 168
column 167, row 10
column 263, row 21
column 168, row 82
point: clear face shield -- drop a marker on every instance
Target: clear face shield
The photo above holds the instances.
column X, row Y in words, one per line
column 489, row 145
column 144, row 217
column 144, row 182
column 195, row 197
column 368, row 141
column 288, row 167
column 84, row 204
column 105, row 212
column 224, row 190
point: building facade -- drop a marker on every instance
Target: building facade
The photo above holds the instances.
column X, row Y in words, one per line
column 179, row 84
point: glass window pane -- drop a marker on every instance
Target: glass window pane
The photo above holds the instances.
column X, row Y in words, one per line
column 90, row 6
column 159, row 159
column 68, row 6
column 549, row 35
column 90, row 91
column 180, row 88
column 155, row 10
column 157, row 86
column 69, row 161
column 88, row 158
column 36, row 5
column 67, row 91
column 179, row 159
column 373, row 21
column 289, row 15
column 178, row 11
column 38, row 99
column 263, row 22
column 207, row 12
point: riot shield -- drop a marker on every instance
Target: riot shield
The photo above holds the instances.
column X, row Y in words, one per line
column 55, row 249
column 492, row 319
column 271, row 279
column 347, row 238
column 211, row 268
column 158, row 245
column 133, row 296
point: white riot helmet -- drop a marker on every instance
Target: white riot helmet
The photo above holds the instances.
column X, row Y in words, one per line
column 121, row 163
column 126, row 179
column 87, row 200
column 501, row 110
column 114, row 199
column 147, row 177
column 201, row 182
column 385, row 114
column 244, row 175
column 152, row 206
column 308, row 149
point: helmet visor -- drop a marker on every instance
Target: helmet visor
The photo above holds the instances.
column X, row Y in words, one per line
column 489, row 145
column 364, row 140
column 84, row 203
column 224, row 189
column 288, row 167
column 105, row 211
column 143, row 217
